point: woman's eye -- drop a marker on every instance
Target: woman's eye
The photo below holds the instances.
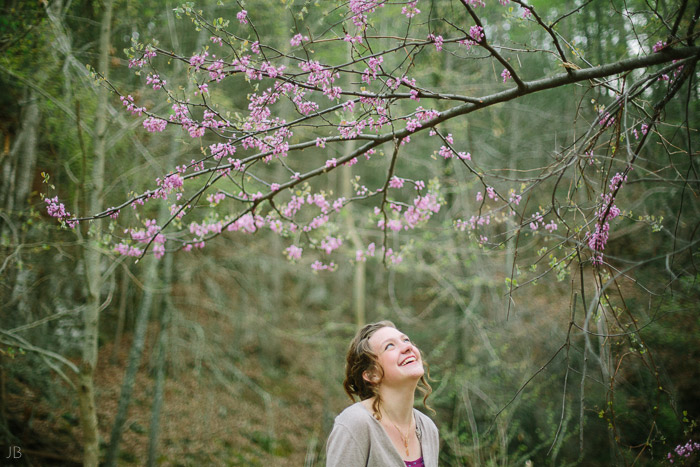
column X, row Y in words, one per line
column 387, row 346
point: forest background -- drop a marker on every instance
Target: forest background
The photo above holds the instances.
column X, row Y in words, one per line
column 540, row 246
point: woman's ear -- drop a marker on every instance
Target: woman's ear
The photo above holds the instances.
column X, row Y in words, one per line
column 370, row 377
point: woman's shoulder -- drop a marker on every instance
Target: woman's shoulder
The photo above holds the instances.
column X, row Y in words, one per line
column 354, row 415
column 426, row 422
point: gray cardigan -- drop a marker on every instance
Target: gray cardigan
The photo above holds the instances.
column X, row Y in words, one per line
column 359, row 440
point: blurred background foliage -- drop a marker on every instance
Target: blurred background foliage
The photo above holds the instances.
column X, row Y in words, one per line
column 252, row 346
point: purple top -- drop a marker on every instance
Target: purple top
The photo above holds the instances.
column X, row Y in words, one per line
column 416, row 463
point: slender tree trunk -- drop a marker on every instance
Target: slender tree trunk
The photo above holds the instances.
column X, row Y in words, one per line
column 93, row 262
column 165, row 311
column 150, row 280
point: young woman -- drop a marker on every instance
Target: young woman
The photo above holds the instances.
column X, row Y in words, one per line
column 383, row 429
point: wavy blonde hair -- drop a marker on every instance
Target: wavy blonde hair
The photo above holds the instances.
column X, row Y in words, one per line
column 360, row 359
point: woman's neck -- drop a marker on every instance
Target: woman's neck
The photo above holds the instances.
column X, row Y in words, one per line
column 397, row 404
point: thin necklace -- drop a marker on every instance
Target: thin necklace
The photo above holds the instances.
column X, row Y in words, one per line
column 405, row 438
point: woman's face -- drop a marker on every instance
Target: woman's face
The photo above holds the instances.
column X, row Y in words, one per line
column 398, row 357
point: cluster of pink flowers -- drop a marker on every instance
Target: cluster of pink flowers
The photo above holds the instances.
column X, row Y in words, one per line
column 58, row 210
column 155, row 81
column 438, row 40
column 298, row 39
column 472, row 223
column 323, row 77
column 242, row 16
column 150, row 234
column 372, row 69
column 154, row 124
column 683, row 451
column 220, row 150
column 293, row 252
column 396, row 182
column 216, row 71
column 353, row 39
column 171, row 183
column 140, row 62
column 329, row 244
column 412, row 124
column 505, row 74
column 605, row 213
column 410, row 9
column 422, row 209
column 658, row 46
column 537, row 219
column 605, row 120
column 215, row 198
column 370, row 251
column 476, row 35
column 319, row 266
column 448, row 153
column 197, row 61
column 128, row 102
column 360, row 9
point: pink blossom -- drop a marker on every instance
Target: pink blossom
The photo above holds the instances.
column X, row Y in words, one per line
column 293, row 252
column 128, row 102
column 297, row 40
column 551, row 227
column 491, row 193
column 410, row 9
column 479, row 196
column 396, row 182
column 216, row 40
column 658, row 46
column 242, row 16
column 476, row 33
column 505, row 74
column 274, row 187
column 155, row 81
column 331, row 163
column 527, row 12
column 319, row 266
column 125, row 249
column 154, row 125
column 329, row 244
column 412, row 124
column 437, row 40
column 198, row 60
column 255, row 47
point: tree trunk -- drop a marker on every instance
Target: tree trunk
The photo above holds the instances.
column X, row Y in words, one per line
column 93, row 262
column 166, row 307
column 150, row 280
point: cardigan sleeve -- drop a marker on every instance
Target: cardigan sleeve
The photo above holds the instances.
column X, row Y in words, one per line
column 344, row 450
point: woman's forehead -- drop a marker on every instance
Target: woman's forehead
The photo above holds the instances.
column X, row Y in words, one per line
column 383, row 334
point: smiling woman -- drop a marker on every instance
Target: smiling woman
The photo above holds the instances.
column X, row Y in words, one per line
column 383, row 371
